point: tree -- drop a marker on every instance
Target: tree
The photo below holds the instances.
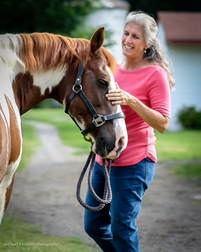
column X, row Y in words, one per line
column 153, row 6
column 58, row 16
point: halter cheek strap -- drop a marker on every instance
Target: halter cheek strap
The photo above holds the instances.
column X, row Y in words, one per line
column 97, row 119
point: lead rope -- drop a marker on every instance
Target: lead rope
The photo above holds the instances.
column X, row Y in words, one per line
column 107, row 193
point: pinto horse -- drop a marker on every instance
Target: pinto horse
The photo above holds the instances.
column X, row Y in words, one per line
column 75, row 72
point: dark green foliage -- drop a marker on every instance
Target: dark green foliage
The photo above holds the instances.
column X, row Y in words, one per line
column 190, row 118
column 153, row 6
column 57, row 16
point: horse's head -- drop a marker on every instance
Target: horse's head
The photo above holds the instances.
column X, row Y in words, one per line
column 86, row 103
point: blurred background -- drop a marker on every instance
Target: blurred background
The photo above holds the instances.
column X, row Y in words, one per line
column 179, row 149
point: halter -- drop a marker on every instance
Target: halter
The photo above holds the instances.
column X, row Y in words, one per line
column 97, row 119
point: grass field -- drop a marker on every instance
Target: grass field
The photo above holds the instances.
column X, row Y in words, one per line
column 68, row 132
column 18, row 236
column 170, row 145
column 30, row 144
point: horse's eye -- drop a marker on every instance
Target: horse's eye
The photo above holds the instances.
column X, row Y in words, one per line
column 103, row 83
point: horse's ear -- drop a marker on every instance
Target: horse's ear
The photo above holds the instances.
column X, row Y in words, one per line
column 97, row 40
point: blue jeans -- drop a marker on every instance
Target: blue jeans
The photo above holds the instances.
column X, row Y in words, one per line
column 114, row 228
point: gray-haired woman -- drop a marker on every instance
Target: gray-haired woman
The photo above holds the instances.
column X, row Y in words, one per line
column 144, row 83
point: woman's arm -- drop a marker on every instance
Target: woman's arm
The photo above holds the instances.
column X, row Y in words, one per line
column 154, row 118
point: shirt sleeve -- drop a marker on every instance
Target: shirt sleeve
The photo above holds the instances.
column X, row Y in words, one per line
column 159, row 93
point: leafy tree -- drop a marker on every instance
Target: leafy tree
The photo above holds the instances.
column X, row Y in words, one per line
column 190, row 118
column 58, row 16
column 153, row 6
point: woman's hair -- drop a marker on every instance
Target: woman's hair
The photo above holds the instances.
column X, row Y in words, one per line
column 154, row 52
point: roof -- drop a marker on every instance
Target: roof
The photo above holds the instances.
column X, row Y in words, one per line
column 181, row 27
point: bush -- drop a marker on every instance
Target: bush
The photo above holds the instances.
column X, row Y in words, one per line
column 190, row 118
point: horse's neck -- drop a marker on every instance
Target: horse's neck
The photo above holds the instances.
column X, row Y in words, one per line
column 34, row 85
column 32, row 88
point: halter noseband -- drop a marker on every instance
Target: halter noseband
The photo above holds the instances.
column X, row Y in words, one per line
column 97, row 119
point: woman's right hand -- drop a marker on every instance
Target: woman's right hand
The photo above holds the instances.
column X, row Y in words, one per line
column 119, row 97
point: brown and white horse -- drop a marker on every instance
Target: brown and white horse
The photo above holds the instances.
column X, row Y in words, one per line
column 37, row 66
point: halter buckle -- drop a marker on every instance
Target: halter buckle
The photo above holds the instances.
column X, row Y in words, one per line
column 77, row 88
column 98, row 121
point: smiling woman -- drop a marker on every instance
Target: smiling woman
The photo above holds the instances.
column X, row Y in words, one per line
column 144, row 83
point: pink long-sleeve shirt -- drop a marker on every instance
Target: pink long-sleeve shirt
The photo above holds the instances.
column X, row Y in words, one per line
column 150, row 85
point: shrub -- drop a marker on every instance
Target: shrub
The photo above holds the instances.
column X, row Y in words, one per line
column 190, row 118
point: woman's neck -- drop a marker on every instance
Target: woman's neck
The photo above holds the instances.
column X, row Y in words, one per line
column 131, row 64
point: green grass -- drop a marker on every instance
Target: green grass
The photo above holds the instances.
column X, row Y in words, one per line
column 188, row 170
column 170, row 145
column 30, row 144
column 179, row 145
column 18, row 236
column 68, row 131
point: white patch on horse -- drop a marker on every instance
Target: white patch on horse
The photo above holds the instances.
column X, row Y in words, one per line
column 120, row 126
column 7, row 75
column 80, row 123
column 48, row 79
column 5, row 184
column 9, row 54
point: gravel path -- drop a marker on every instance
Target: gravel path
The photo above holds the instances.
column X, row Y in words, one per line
column 44, row 194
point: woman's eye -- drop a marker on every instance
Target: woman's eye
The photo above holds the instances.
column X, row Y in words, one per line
column 103, row 83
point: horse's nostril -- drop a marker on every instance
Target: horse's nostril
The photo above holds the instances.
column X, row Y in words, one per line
column 104, row 145
column 121, row 142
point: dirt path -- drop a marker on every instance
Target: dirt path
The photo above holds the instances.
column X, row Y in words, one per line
column 44, row 194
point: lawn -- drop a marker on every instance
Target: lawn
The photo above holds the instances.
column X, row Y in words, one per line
column 68, row 132
column 182, row 145
column 179, row 145
column 18, row 236
column 30, row 144
column 170, row 145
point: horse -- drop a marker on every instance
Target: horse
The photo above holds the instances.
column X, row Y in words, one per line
column 77, row 73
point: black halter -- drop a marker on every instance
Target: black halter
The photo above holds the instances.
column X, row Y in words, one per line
column 97, row 119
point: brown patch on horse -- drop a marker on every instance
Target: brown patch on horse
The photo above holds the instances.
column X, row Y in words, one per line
column 42, row 51
column 4, row 145
column 15, row 134
column 26, row 94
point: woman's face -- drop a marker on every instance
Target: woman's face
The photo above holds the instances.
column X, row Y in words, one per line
column 133, row 41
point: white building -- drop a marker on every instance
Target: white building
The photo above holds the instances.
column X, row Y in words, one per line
column 181, row 35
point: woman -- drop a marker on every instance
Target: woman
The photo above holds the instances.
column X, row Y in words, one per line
column 144, row 83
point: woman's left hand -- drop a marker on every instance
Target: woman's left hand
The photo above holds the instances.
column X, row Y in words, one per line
column 118, row 97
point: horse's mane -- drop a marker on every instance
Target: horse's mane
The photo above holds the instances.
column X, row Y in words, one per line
column 45, row 50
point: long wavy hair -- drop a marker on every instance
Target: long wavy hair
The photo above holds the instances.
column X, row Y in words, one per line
column 153, row 53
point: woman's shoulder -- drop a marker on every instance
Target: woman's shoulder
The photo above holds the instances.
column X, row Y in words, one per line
column 154, row 68
column 148, row 68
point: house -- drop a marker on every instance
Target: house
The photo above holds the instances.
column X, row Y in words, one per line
column 180, row 34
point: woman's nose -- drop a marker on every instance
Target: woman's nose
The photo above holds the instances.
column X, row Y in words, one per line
column 128, row 39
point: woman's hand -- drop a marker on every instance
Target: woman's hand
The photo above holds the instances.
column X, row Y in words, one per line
column 119, row 97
